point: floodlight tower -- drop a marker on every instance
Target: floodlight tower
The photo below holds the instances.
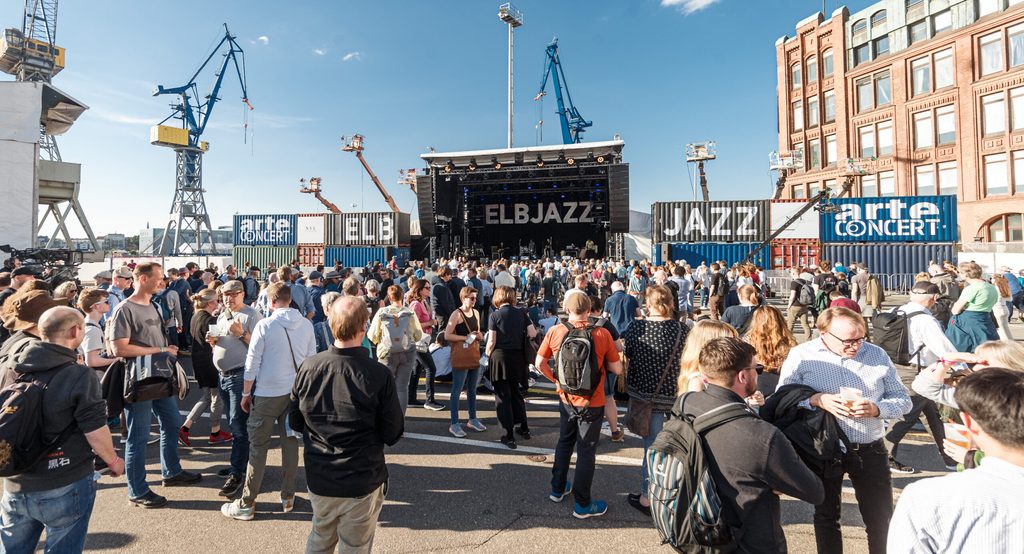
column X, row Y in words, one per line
column 698, row 153
column 514, row 18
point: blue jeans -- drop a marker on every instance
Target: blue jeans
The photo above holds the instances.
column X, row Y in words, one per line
column 231, row 399
column 63, row 512
column 573, row 432
column 657, row 422
column 139, row 417
column 470, row 379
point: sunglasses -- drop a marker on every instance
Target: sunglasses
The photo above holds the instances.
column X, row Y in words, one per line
column 849, row 343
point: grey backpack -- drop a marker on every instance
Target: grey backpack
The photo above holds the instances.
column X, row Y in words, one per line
column 396, row 335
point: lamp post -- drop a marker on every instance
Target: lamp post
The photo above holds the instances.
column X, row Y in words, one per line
column 514, row 18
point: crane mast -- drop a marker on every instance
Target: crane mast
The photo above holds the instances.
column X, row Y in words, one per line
column 573, row 124
column 356, row 145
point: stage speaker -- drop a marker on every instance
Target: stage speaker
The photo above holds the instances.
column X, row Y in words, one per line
column 425, row 204
column 618, row 198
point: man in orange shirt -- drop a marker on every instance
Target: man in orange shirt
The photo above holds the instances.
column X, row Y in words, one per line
column 580, row 416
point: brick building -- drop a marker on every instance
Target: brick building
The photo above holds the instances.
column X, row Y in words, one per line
column 933, row 88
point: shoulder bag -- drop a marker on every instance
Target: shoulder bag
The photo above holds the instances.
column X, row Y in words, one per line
column 466, row 356
column 529, row 346
column 638, row 414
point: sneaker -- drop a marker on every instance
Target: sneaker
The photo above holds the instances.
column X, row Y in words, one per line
column 476, row 425
column 634, row 501
column 149, row 500
column 226, row 472
column 235, row 510
column 415, row 404
column 183, row 478
column 433, row 406
column 596, row 508
column 287, row 504
column 557, row 497
column 220, row 437
column 524, row 433
column 897, row 467
column 456, row 431
column 231, row 486
column 952, row 467
column 183, row 438
column 509, row 442
column 618, row 435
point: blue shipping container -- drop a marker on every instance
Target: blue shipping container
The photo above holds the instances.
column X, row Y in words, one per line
column 889, row 259
column 891, row 219
column 708, row 252
column 359, row 256
column 266, row 230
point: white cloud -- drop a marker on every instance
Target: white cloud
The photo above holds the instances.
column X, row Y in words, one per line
column 123, row 119
column 352, row 56
column 320, row 51
column 264, row 39
column 689, row 6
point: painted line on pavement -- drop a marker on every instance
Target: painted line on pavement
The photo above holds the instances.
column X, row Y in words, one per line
column 527, row 449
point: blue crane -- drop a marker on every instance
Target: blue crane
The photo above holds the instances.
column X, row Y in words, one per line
column 188, row 219
column 573, row 124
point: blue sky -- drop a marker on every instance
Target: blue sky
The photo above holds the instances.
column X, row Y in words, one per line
column 408, row 75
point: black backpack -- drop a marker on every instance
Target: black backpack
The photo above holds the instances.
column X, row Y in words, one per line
column 891, row 332
column 685, row 505
column 576, row 365
column 22, row 444
column 943, row 310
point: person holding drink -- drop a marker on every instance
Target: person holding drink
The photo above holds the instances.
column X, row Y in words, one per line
column 201, row 327
column 464, row 334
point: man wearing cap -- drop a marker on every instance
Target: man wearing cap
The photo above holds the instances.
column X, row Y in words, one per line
column 316, row 289
column 122, row 277
column 927, row 339
column 103, row 279
column 332, row 281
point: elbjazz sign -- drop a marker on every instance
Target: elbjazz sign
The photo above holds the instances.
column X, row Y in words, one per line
column 265, row 230
column 540, row 212
column 893, row 219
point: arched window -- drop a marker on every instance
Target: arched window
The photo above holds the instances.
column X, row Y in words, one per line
column 878, row 19
column 795, row 73
column 812, row 69
column 826, row 63
column 860, row 26
column 1005, row 228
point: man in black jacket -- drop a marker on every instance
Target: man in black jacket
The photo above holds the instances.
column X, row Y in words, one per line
column 752, row 462
column 441, row 298
column 346, row 407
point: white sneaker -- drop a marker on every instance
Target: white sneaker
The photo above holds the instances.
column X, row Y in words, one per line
column 456, row 431
column 287, row 504
column 476, row 425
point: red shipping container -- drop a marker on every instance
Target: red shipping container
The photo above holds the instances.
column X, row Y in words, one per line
column 311, row 255
column 787, row 253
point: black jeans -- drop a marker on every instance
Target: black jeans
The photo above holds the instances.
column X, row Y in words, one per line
column 868, row 467
column 583, row 435
column 510, row 406
column 920, row 405
column 426, row 361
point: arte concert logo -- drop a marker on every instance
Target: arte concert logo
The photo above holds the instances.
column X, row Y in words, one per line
column 892, row 219
column 265, row 229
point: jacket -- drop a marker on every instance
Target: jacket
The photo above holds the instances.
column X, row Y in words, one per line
column 814, row 432
column 279, row 344
column 346, row 407
column 375, row 334
column 441, row 300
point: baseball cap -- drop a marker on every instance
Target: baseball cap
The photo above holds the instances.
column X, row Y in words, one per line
column 925, row 287
column 316, row 275
column 232, row 286
column 105, row 274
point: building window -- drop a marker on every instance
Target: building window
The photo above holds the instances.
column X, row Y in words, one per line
column 859, row 27
column 921, row 75
column 942, row 21
column 864, row 99
column 918, row 31
column 812, row 112
column 830, row 106
column 945, row 75
column 831, row 155
column 1017, row 108
column 1018, row 171
column 885, row 138
column 996, row 177
column 861, row 54
column 826, row 63
column 886, row 184
column 996, row 231
column 814, row 148
column 868, row 185
column 991, row 46
column 794, row 71
column 945, row 122
column 948, row 178
column 986, row 7
column 812, row 190
column 914, row 4
column 798, row 151
column 923, row 130
column 867, row 141
column 878, row 19
column 874, row 91
column 799, row 191
column 883, row 89
column 1016, row 37
column 1015, row 228
column 798, row 115
column 812, row 69
column 881, row 46
column 993, row 115
column 830, row 185
column 924, row 180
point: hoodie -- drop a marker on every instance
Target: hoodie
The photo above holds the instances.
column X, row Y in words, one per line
column 270, row 361
column 72, row 398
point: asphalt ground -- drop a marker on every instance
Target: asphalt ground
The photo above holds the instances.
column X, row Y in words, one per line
column 445, row 495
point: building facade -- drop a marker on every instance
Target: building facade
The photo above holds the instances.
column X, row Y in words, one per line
column 149, row 240
column 931, row 90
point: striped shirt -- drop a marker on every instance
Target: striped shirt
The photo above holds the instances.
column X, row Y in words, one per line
column 978, row 510
column 871, row 371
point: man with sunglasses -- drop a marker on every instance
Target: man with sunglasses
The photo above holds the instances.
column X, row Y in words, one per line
column 840, row 359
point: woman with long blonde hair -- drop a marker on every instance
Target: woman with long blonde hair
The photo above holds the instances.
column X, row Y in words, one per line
column 1001, row 310
column 703, row 332
column 771, row 338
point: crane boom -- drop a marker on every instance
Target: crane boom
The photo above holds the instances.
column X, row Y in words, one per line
column 811, row 202
column 314, row 189
column 356, row 145
column 573, row 124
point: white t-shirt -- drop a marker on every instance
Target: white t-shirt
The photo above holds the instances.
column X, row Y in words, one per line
column 93, row 339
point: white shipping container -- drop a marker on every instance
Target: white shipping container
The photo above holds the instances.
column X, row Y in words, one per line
column 808, row 226
column 310, row 229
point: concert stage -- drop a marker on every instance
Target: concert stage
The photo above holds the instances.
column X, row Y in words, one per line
column 560, row 200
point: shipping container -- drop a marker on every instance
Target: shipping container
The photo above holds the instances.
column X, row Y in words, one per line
column 359, row 256
column 807, row 226
column 707, row 252
column 787, row 253
column 889, row 259
column 930, row 219
column 261, row 256
column 265, row 230
column 310, row 229
column 710, row 222
column 367, row 229
column 310, row 255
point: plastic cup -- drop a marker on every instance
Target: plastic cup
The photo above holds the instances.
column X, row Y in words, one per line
column 849, row 395
column 957, row 434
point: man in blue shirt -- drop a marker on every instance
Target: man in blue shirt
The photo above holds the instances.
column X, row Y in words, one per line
column 299, row 294
column 622, row 309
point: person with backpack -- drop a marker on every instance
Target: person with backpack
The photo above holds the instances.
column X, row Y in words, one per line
column 251, row 286
column 583, row 355
column 396, row 330
column 170, row 311
column 748, row 462
column 56, row 405
column 718, row 290
column 825, row 279
column 800, row 303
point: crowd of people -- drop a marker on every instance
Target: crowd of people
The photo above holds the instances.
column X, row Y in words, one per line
column 333, row 359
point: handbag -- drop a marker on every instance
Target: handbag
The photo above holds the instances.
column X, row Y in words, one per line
column 466, row 357
column 638, row 414
column 150, row 377
column 529, row 346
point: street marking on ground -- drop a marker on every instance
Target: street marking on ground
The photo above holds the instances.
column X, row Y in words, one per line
column 521, row 449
